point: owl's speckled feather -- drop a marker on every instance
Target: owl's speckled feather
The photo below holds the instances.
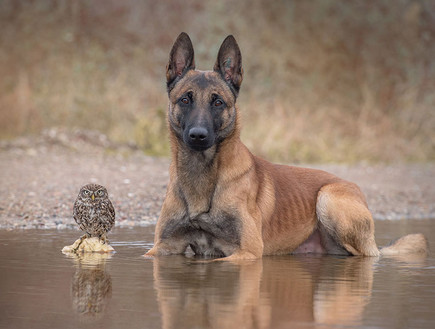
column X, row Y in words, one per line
column 93, row 211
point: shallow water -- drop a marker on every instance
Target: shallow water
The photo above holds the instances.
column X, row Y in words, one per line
column 42, row 288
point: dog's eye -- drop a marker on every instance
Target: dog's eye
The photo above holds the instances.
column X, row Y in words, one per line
column 185, row 100
column 218, row 103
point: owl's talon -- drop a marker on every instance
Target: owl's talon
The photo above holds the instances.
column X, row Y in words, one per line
column 104, row 239
column 82, row 238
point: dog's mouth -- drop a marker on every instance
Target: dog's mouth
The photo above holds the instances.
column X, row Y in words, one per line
column 198, row 146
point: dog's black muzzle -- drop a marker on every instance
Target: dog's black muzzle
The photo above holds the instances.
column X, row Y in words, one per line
column 198, row 137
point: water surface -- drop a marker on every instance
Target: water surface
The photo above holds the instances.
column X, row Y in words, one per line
column 42, row 288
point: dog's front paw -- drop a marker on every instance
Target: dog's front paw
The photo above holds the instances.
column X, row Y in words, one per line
column 150, row 254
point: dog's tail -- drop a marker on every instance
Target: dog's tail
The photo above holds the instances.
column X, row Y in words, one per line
column 408, row 244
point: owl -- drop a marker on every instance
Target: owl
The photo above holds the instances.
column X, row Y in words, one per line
column 93, row 211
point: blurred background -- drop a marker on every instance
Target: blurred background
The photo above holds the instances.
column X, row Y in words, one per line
column 325, row 81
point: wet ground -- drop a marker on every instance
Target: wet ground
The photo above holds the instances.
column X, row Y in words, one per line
column 42, row 288
column 41, row 177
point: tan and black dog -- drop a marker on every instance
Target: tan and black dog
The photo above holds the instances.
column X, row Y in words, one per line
column 222, row 201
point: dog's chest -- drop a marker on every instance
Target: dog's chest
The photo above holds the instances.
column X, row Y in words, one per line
column 204, row 244
column 214, row 235
column 209, row 234
column 222, row 225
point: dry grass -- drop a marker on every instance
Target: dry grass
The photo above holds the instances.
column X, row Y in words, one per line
column 324, row 80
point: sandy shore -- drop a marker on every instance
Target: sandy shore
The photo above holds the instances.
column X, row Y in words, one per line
column 40, row 179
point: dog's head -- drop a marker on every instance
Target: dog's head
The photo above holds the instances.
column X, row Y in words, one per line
column 202, row 110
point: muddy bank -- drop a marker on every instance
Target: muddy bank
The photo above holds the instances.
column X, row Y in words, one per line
column 40, row 179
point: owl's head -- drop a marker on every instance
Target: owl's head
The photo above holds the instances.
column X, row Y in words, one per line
column 93, row 192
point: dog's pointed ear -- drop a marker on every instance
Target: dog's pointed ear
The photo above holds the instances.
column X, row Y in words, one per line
column 229, row 63
column 181, row 58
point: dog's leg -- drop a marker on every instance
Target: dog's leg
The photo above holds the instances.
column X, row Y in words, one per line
column 166, row 241
column 238, row 256
column 343, row 215
column 175, row 247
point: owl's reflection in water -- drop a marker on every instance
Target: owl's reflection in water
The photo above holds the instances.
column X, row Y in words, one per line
column 91, row 286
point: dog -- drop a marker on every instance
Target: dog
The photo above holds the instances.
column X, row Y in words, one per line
column 224, row 202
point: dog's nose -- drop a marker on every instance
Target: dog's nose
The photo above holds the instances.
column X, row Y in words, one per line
column 198, row 134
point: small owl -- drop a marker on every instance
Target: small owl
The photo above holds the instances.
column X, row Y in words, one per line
column 93, row 211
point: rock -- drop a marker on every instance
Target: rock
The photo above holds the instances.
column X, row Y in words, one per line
column 94, row 259
column 88, row 245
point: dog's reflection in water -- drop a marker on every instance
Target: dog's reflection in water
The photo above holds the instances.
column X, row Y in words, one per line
column 91, row 286
column 272, row 292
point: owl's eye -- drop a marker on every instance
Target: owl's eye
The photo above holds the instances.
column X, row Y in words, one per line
column 100, row 193
column 86, row 192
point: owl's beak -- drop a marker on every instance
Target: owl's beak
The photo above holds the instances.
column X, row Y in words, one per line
column 93, row 197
